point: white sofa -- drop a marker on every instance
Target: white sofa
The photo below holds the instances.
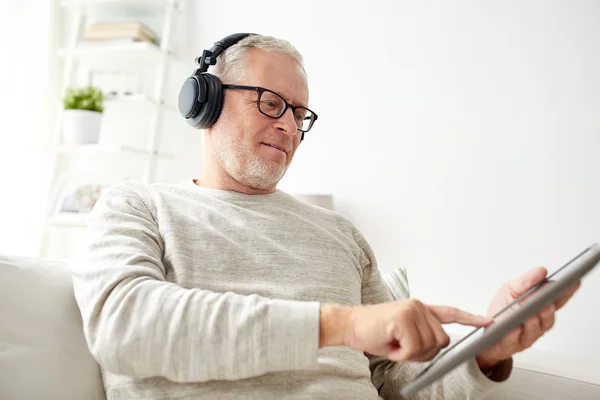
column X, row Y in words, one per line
column 43, row 353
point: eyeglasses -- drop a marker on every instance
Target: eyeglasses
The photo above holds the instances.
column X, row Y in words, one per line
column 273, row 105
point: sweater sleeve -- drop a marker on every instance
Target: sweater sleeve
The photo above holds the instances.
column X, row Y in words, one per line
column 464, row 382
column 138, row 324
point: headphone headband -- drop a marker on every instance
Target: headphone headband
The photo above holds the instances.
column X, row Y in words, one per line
column 209, row 57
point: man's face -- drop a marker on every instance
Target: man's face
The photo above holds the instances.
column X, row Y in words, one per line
column 243, row 138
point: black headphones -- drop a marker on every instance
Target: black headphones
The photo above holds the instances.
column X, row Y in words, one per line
column 201, row 96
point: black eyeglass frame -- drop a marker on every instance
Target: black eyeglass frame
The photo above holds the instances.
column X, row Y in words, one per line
column 260, row 90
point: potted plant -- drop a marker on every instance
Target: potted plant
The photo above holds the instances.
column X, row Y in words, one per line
column 82, row 115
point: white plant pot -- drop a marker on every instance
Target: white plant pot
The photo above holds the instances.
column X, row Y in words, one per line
column 81, row 127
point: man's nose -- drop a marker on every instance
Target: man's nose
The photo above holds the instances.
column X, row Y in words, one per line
column 287, row 123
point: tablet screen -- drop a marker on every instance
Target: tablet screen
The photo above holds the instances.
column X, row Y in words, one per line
column 556, row 274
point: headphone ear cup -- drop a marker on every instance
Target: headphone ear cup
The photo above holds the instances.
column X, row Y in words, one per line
column 211, row 109
column 191, row 97
column 201, row 100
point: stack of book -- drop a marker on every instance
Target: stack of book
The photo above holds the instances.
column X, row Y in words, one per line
column 123, row 32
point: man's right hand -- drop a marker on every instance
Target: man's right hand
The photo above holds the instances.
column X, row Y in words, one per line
column 405, row 330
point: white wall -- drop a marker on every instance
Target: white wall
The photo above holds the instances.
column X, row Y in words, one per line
column 462, row 138
column 27, row 69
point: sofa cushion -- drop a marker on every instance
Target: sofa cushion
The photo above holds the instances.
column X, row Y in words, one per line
column 396, row 282
column 43, row 353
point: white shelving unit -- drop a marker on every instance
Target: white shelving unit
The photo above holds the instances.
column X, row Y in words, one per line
column 126, row 56
column 141, row 52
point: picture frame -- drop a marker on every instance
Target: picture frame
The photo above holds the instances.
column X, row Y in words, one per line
column 76, row 195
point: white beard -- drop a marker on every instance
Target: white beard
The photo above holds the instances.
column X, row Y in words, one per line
column 247, row 168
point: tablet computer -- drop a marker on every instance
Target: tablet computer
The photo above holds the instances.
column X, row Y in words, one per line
column 536, row 298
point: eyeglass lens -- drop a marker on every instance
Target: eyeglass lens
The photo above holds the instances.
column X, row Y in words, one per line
column 273, row 105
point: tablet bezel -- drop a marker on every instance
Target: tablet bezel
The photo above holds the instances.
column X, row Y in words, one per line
column 540, row 296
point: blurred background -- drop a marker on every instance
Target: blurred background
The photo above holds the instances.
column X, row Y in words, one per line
column 462, row 138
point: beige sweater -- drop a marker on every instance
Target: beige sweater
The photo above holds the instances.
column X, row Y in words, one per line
column 194, row 293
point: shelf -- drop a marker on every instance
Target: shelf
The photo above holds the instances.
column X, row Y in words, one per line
column 111, row 9
column 101, row 148
column 138, row 97
column 85, row 149
column 74, row 227
column 110, row 101
column 111, row 54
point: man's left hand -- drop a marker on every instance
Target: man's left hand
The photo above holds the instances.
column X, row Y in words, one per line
column 531, row 330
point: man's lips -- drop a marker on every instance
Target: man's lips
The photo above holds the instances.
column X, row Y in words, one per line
column 275, row 147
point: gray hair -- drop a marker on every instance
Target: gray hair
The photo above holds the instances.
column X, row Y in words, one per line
column 231, row 66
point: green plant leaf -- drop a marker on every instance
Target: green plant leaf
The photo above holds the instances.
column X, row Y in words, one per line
column 86, row 98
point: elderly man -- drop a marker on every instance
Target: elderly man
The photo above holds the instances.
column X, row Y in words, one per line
column 225, row 287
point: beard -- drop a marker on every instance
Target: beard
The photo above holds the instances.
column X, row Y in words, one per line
column 245, row 166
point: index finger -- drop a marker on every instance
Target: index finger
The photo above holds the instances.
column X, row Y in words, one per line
column 449, row 315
